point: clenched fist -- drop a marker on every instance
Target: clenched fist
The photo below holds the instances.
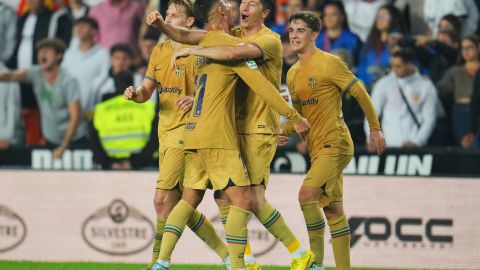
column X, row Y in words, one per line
column 130, row 93
column 154, row 19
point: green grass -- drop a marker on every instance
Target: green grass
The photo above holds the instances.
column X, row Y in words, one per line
column 28, row 265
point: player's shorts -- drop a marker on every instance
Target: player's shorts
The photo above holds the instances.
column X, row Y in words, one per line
column 172, row 165
column 326, row 173
column 214, row 168
column 258, row 151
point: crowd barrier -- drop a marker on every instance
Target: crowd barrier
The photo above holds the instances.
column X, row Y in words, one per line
column 431, row 161
column 402, row 222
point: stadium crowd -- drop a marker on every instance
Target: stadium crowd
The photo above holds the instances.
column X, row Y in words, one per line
column 64, row 64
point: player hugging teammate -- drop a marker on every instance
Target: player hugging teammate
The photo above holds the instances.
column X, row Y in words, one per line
column 226, row 137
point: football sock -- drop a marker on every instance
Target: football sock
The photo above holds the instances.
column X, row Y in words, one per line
column 236, row 234
column 273, row 221
column 224, row 209
column 174, row 227
column 157, row 241
column 340, row 231
column 315, row 228
column 203, row 228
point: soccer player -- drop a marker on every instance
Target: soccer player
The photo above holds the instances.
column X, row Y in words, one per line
column 211, row 139
column 257, row 124
column 316, row 83
column 175, row 96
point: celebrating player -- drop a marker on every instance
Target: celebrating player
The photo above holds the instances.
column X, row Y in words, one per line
column 175, row 90
column 210, row 136
column 316, row 83
column 257, row 124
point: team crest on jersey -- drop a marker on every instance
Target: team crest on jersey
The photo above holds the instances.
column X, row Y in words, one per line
column 312, row 82
column 180, row 71
column 251, row 64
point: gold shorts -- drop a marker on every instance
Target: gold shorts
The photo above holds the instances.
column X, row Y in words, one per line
column 172, row 164
column 214, row 168
column 326, row 173
column 258, row 151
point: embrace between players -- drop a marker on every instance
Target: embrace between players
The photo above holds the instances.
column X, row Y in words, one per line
column 219, row 128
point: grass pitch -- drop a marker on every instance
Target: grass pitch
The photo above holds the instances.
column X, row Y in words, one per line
column 28, row 265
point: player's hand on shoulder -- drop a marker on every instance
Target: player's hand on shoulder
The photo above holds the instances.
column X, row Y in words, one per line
column 154, row 19
column 185, row 103
column 377, row 142
column 129, row 93
column 302, row 127
column 178, row 54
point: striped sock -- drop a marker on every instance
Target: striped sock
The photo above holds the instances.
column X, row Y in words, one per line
column 157, row 241
column 340, row 231
column 236, row 234
column 174, row 228
column 273, row 221
column 315, row 228
column 224, row 209
column 203, row 228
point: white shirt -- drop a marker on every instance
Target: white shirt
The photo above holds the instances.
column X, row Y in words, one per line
column 361, row 16
column 471, row 22
column 434, row 10
column 86, row 67
column 25, row 50
column 398, row 125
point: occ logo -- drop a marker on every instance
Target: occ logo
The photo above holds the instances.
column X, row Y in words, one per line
column 13, row 230
column 382, row 229
column 118, row 229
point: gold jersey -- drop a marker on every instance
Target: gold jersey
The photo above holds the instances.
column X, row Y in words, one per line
column 172, row 84
column 253, row 115
column 211, row 123
column 316, row 87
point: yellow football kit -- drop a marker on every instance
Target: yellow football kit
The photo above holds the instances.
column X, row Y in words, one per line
column 316, row 87
column 257, row 123
column 211, row 123
column 172, row 84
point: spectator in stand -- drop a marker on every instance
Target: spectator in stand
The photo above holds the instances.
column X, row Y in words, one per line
column 58, row 96
column 67, row 17
column 293, row 5
column 316, row 6
column 472, row 138
column 10, row 118
column 8, row 28
column 375, row 56
column 437, row 55
column 33, row 26
column 123, row 134
column 86, row 61
column 458, row 81
column 361, row 15
column 406, row 102
column 121, row 60
column 336, row 34
column 119, row 21
column 466, row 10
column 147, row 44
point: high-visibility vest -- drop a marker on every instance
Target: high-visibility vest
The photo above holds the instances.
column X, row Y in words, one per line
column 123, row 126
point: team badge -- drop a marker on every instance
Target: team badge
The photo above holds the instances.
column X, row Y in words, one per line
column 251, row 64
column 180, row 71
column 312, row 82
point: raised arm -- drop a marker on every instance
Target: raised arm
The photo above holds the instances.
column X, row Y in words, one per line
column 16, row 76
column 241, row 51
column 176, row 33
